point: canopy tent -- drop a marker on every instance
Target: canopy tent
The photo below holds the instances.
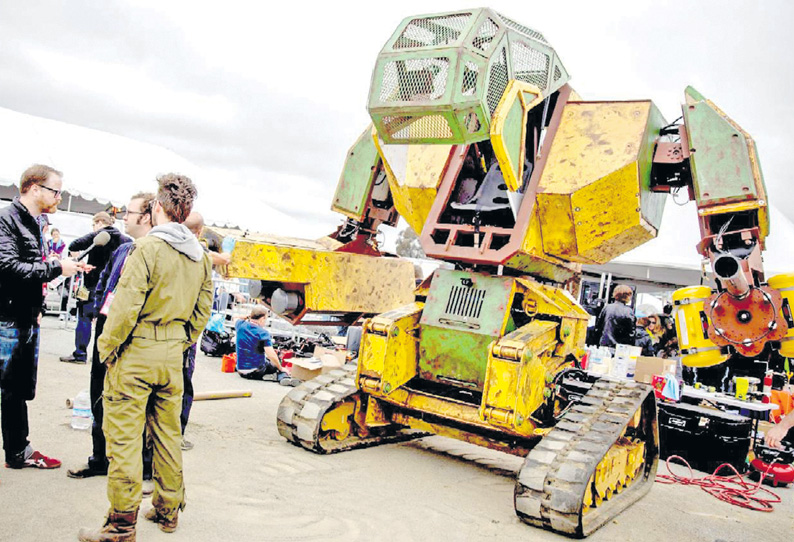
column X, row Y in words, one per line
column 103, row 170
column 671, row 260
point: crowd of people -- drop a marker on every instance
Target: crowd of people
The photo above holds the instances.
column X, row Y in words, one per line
column 617, row 323
column 146, row 301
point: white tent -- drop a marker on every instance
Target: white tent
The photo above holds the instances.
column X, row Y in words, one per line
column 671, row 258
column 102, row 169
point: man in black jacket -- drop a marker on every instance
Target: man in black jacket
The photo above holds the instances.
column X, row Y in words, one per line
column 23, row 271
column 97, row 260
column 617, row 320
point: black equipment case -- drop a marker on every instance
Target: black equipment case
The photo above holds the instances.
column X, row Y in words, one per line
column 705, row 437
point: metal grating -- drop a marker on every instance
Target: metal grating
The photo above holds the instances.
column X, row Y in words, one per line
column 557, row 73
column 485, row 35
column 497, row 80
column 530, row 65
column 432, row 31
column 414, row 80
column 465, row 302
column 407, row 127
column 535, row 35
column 470, row 73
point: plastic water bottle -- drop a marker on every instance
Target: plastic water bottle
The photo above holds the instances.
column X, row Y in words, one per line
column 81, row 411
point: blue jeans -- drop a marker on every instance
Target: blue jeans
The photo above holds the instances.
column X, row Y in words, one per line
column 19, row 359
column 82, row 334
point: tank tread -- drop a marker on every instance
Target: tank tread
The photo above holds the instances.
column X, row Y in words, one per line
column 551, row 484
column 301, row 412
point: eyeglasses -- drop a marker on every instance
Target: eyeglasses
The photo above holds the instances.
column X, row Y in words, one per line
column 56, row 192
column 127, row 213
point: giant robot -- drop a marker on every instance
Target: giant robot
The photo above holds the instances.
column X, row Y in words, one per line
column 480, row 143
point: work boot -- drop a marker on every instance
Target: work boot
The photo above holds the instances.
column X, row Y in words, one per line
column 166, row 525
column 117, row 528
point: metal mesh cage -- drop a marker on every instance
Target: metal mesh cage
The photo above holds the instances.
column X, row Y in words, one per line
column 485, row 35
column 523, row 29
column 557, row 73
column 424, row 127
column 414, row 80
column 432, row 31
column 497, row 80
column 468, row 86
column 529, row 65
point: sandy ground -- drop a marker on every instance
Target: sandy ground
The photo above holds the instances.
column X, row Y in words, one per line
column 244, row 482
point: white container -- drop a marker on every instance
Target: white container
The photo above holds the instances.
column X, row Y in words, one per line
column 81, row 411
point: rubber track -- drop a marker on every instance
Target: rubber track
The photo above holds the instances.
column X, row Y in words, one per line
column 551, row 484
column 302, row 409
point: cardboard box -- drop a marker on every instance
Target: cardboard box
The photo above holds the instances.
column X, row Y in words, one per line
column 323, row 361
column 647, row 367
column 306, row 368
column 332, row 359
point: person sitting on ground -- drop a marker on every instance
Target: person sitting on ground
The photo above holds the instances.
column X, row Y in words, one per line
column 256, row 357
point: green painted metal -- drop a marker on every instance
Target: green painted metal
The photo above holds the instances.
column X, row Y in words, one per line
column 463, row 315
column 357, row 177
column 720, row 159
column 651, row 203
column 435, row 80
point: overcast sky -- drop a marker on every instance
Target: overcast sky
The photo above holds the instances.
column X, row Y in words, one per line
column 270, row 98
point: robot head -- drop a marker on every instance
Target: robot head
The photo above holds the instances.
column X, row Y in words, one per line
column 439, row 78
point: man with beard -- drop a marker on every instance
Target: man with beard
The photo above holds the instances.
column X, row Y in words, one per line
column 23, row 270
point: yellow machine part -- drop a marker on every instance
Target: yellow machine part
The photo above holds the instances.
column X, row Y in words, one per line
column 697, row 350
column 414, row 173
column 519, row 367
column 532, row 259
column 524, row 97
column 593, row 198
column 785, row 285
column 390, row 347
column 331, row 281
column 619, row 467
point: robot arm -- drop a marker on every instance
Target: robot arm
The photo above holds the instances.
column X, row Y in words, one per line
column 716, row 161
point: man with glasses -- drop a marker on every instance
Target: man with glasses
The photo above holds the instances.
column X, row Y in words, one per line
column 137, row 223
column 23, row 270
column 97, row 260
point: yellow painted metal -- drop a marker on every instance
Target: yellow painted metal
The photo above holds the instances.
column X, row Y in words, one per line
column 375, row 417
column 419, row 423
column 696, row 348
column 516, row 94
column 531, row 258
column 620, row 466
column 519, row 369
column 414, row 173
column 337, row 420
column 516, row 375
column 330, row 281
column 389, row 347
column 590, row 193
column 784, row 284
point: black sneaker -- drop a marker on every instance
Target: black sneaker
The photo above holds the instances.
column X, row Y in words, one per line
column 86, row 472
column 72, row 359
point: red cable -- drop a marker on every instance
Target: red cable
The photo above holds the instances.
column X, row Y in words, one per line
column 731, row 489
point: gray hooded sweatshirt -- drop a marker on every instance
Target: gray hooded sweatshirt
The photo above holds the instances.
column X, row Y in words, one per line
column 181, row 238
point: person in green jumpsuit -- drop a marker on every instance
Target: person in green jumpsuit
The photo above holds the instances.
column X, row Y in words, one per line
column 160, row 306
